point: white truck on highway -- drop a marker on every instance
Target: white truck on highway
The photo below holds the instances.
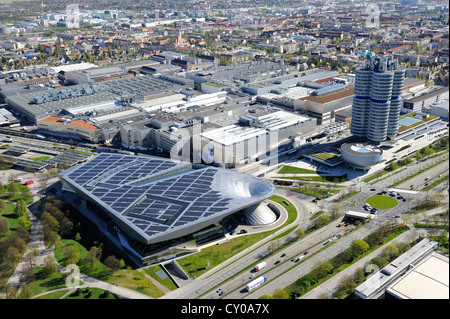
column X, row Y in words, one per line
column 256, row 283
column 260, row 266
column 298, row 258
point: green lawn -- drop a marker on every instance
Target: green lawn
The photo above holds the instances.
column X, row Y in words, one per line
column 14, row 198
column 42, row 158
column 43, row 284
column 128, row 278
column 8, row 213
column 325, row 156
column 295, row 170
column 381, row 202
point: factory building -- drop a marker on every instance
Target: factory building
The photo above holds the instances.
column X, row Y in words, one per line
column 224, row 135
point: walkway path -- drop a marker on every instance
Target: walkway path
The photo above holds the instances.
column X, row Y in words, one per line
column 36, row 243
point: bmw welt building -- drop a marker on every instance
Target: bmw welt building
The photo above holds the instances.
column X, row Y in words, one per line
column 156, row 209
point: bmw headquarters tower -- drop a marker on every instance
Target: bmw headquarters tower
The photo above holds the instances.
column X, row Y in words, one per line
column 377, row 100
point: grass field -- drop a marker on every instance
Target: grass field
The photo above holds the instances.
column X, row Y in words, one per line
column 295, row 170
column 42, row 158
column 381, row 202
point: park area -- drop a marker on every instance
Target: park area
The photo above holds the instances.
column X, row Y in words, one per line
column 381, row 202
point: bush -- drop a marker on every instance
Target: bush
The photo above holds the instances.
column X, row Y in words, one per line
column 76, row 293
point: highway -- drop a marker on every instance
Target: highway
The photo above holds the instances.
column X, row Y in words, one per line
column 234, row 274
column 288, row 272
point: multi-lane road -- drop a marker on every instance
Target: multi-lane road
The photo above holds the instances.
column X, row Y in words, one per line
column 234, row 277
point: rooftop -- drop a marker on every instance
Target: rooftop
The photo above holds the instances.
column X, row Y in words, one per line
column 79, row 123
column 329, row 97
column 428, row 280
column 152, row 196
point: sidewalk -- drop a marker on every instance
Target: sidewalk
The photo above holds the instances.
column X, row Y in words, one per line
column 37, row 243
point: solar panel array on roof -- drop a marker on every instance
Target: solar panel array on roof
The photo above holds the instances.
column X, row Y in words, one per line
column 154, row 195
column 18, row 149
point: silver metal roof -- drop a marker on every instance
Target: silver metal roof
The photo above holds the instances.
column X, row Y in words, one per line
column 154, row 196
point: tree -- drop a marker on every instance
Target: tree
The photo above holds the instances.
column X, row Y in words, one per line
column 50, row 221
column 66, row 227
column 50, row 266
column 21, row 208
column 322, row 269
column 70, row 254
column 13, row 189
column 112, row 263
column 24, row 222
column 300, row 233
column 26, row 191
column 51, row 237
column 346, row 284
column 12, row 255
column 273, row 246
column 390, row 251
column 4, row 226
column 358, row 247
column 27, row 292
column 335, row 210
column 280, row 294
column 2, row 202
column 93, row 256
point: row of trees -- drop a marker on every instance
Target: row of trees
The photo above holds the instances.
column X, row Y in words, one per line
column 56, row 224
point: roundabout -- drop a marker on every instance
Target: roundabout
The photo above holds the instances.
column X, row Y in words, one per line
column 381, row 202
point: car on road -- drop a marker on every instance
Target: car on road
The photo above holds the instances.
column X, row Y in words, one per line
column 373, row 211
column 397, row 216
column 219, row 290
column 372, row 189
column 251, row 276
column 277, row 262
column 306, row 252
column 283, row 255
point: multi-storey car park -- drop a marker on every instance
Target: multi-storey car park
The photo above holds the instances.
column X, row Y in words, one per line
column 157, row 209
